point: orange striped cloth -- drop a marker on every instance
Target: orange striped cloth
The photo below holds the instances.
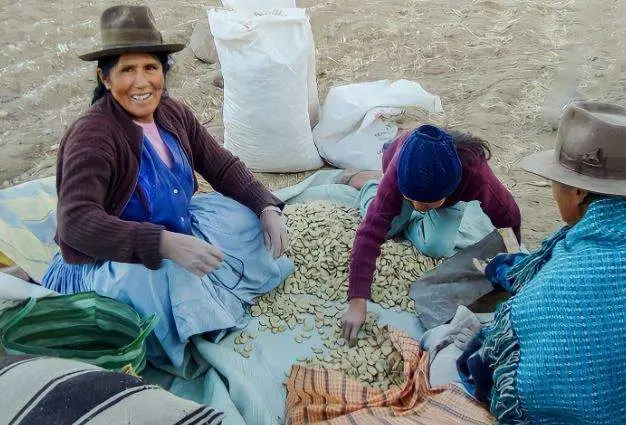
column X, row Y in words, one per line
column 320, row 396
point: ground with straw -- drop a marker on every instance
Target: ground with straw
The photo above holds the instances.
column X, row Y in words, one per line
column 499, row 66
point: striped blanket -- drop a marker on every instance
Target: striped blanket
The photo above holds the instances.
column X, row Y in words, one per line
column 41, row 390
column 329, row 397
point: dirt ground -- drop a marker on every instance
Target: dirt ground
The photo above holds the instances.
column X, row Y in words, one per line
column 498, row 65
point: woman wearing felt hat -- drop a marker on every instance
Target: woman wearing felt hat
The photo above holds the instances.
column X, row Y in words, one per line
column 556, row 351
column 427, row 172
column 128, row 225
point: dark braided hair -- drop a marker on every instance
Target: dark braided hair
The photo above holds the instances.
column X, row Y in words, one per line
column 107, row 64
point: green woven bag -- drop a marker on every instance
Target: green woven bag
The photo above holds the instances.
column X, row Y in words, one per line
column 83, row 326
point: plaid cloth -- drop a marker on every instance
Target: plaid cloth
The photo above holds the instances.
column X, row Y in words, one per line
column 329, row 397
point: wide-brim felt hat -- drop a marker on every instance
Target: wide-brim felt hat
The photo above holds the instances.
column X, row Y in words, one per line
column 590, row 151
column 129, row 29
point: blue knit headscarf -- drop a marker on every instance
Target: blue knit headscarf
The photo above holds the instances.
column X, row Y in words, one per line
column 429, row 168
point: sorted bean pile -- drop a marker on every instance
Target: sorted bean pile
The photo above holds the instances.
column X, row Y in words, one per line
column 313, row 299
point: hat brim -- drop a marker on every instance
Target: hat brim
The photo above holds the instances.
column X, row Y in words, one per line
column 147, row 48
column 544, row 164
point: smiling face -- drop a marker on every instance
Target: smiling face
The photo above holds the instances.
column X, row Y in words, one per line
column 136, row 82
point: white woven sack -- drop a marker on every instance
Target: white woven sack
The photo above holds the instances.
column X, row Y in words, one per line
column 265, row 58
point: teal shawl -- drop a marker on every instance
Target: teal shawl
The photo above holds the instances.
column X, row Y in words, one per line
column 558, row 346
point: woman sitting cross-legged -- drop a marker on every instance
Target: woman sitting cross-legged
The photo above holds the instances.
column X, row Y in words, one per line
column 129, row 226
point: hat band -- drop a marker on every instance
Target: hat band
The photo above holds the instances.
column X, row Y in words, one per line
column 595, row 164
column 130, row 36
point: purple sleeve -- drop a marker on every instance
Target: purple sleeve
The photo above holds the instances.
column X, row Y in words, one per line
column 481, row 184
column 372, row 233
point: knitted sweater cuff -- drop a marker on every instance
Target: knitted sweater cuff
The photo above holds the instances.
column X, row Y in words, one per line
column 147, row 240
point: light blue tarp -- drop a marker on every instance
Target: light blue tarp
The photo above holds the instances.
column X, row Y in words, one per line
column 250, row 391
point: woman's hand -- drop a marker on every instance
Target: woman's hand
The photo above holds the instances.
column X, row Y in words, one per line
column 189, row 252
column 353, row 319
column 274, row 232
column 480, row 265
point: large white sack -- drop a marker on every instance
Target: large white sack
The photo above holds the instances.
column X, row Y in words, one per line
column 266, row 59
column 260, row 5
column 352, row 132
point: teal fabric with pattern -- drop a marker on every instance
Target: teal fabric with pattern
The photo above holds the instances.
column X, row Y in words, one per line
column 558, row 347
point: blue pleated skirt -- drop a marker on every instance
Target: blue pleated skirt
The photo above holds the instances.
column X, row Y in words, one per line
column 186, row 304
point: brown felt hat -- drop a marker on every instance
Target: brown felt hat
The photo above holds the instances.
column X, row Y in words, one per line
column 128, row 29
column 590, row 151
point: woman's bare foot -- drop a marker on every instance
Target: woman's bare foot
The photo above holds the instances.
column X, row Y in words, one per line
column 358, row 178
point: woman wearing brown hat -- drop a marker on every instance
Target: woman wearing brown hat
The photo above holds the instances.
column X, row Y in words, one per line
column 128, row 226
column 556, row 351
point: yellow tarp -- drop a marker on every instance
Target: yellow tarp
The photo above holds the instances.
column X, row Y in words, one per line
column 5, row 261
column 28, row 225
